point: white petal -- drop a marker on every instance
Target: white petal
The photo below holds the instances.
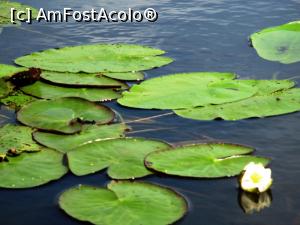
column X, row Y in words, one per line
column 262, row 184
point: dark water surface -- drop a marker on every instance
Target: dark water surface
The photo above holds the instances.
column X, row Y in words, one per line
column 208, row 35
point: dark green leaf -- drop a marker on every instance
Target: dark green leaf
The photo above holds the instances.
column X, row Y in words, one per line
column 123, row 157
column 89, row 133
column 82, row 79
column 48, row 91
column 66, row 115
column 32, row 169
column 124, row 203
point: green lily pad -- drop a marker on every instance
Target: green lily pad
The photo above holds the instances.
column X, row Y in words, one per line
column 123, row 157
column 96, row 58
column 89, row 133
column 17, row 99
column 47, row 91
column 5, row 11
column 82, row 79
column 32, row 169
column 16, row 139
column 4, row 22
column 258, row 106
column 65, row 115
column 281, row 43
column 203, row 160
column 187, row 90
column 7, row 71
column 128, row 76
column 270, row 86
column 124, row 203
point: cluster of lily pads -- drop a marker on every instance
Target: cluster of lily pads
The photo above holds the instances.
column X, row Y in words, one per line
column 57, row 92
column 74, row 124
column 208, row 96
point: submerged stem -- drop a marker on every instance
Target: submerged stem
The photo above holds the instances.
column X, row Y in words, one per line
column 47, row 35
column 149, row 118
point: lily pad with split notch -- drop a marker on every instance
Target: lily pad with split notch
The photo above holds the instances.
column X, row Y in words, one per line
column 82, row 79
column 279, row 103
column 187, row 90
column 89, row 133
column 48, row 91
column 212, row 160
column 32, row 169
column 124, row 203
column 96, row 58
column 65, row 115
column 17, row 139
column 280, row 43
column 124, row 157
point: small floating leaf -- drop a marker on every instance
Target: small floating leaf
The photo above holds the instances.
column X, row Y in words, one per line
column 89, row 133
column 32, row 169
column 5, row 11
column 128, row 76
column 47, row 91
column 65, row 115
column 187, row 90
column 96, row 58
column 17, row 139
column 124, row 203
column 123, row 157
column 203, row 160
column 258, row 106
column 17, row 99
column 81, row 79
column 281, row 43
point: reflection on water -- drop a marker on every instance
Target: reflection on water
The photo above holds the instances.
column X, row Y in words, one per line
column 201, row 36
column 254, row 202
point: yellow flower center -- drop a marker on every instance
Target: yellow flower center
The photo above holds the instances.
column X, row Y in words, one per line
column 256, row 177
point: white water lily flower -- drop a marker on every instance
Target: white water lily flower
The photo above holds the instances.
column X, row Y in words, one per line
column 256, row 178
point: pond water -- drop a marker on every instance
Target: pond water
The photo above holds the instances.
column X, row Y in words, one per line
column 201, row 35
